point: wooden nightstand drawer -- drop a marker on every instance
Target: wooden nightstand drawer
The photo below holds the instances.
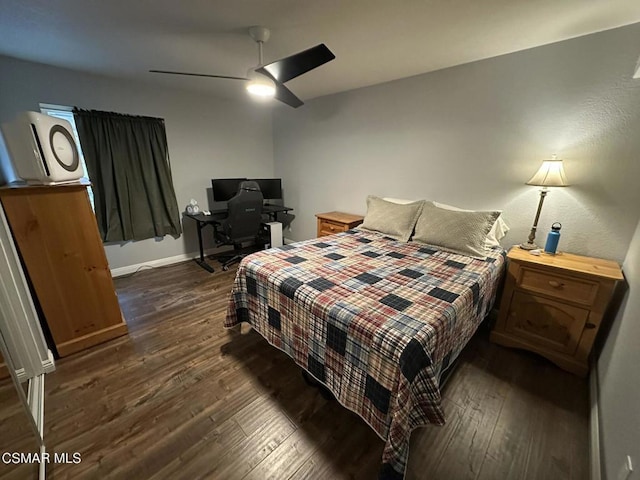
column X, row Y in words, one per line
column 336, row 222
column 562, row 287
column 329, row 228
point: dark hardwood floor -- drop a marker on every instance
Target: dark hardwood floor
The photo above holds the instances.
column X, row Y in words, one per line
column 182, row 398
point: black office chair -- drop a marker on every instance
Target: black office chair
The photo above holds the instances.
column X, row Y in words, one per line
column 243, row 220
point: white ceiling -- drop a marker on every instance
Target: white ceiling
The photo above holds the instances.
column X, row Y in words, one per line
column 374, row 41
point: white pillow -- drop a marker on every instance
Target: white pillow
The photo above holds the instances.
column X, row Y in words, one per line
column 497, row 232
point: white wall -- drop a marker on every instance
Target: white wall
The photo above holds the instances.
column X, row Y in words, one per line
column 473, row 135
column 207, row 137
column 619, row 377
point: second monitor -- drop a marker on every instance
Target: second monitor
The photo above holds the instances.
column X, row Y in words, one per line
column 271, row 188
column 226, row 188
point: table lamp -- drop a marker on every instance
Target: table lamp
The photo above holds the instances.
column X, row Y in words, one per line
column 550, row 174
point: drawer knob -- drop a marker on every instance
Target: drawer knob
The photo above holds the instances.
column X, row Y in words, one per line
column 556, row 284
column 589, row 326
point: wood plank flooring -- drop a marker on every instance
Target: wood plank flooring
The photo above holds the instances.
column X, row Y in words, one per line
column 182, row 398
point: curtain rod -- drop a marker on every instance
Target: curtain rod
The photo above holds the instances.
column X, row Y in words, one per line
column 115, row 114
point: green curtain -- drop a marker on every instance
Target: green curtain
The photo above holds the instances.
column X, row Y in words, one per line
column 128, row 162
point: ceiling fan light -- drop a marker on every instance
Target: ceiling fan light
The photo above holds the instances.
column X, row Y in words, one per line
column 260, row 85
column 261, row 90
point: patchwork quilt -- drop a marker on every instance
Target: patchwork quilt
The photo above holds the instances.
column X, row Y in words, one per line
column 373, row 319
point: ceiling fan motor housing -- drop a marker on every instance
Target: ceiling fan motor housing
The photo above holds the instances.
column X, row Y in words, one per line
column 259, row 34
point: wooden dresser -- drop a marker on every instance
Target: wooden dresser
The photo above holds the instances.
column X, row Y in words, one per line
column 553, row 305
column 336, row 222
column 55, row 231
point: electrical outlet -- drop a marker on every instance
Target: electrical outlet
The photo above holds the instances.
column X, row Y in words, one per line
column 626, row 469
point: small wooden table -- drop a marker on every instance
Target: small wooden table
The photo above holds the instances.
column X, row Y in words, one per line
column 554, row 304
column 336, row 222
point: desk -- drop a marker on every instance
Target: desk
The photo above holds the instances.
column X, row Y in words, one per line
column 218, row 215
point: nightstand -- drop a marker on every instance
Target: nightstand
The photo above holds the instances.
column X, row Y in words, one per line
column 553, row 305
column 336, row 222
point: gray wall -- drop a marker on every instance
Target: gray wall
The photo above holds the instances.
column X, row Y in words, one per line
column 473, row 135
column 207, row 137
column 618, row 375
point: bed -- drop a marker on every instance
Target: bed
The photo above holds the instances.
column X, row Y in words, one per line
column 374, row 319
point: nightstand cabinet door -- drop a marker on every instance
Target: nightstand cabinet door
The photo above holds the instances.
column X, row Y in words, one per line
column 546, row 322
column 554, row 305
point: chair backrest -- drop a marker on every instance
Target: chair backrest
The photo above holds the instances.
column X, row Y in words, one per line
column 244, row 212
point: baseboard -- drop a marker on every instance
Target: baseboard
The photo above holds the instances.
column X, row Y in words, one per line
column 120, row 271
column 594, row 425
column 161, row 262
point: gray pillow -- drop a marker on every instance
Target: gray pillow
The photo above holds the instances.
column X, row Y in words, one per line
column 396, row 221
column 455, row 231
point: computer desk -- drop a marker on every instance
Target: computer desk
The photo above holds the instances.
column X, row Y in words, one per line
column 214, row 219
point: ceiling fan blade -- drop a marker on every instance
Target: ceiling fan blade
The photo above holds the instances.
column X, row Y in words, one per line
column 286, row 96
column 198, row 75
column 295, row 65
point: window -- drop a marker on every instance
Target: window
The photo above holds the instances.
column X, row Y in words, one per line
column 66, row 113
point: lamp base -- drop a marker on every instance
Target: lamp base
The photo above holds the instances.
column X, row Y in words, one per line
column 529, row 246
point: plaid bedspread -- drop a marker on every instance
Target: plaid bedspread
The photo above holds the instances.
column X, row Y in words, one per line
column 373, row 319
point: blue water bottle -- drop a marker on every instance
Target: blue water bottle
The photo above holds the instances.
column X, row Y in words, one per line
column 553, row 238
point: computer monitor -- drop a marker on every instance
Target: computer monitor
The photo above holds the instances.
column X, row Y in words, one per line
column 271, row 188
column 224, row 189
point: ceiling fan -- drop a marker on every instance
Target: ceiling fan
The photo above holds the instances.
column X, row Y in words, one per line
column 268, row 80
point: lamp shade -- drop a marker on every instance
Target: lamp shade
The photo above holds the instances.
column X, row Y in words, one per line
column 550, row 174
column 260, row 85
